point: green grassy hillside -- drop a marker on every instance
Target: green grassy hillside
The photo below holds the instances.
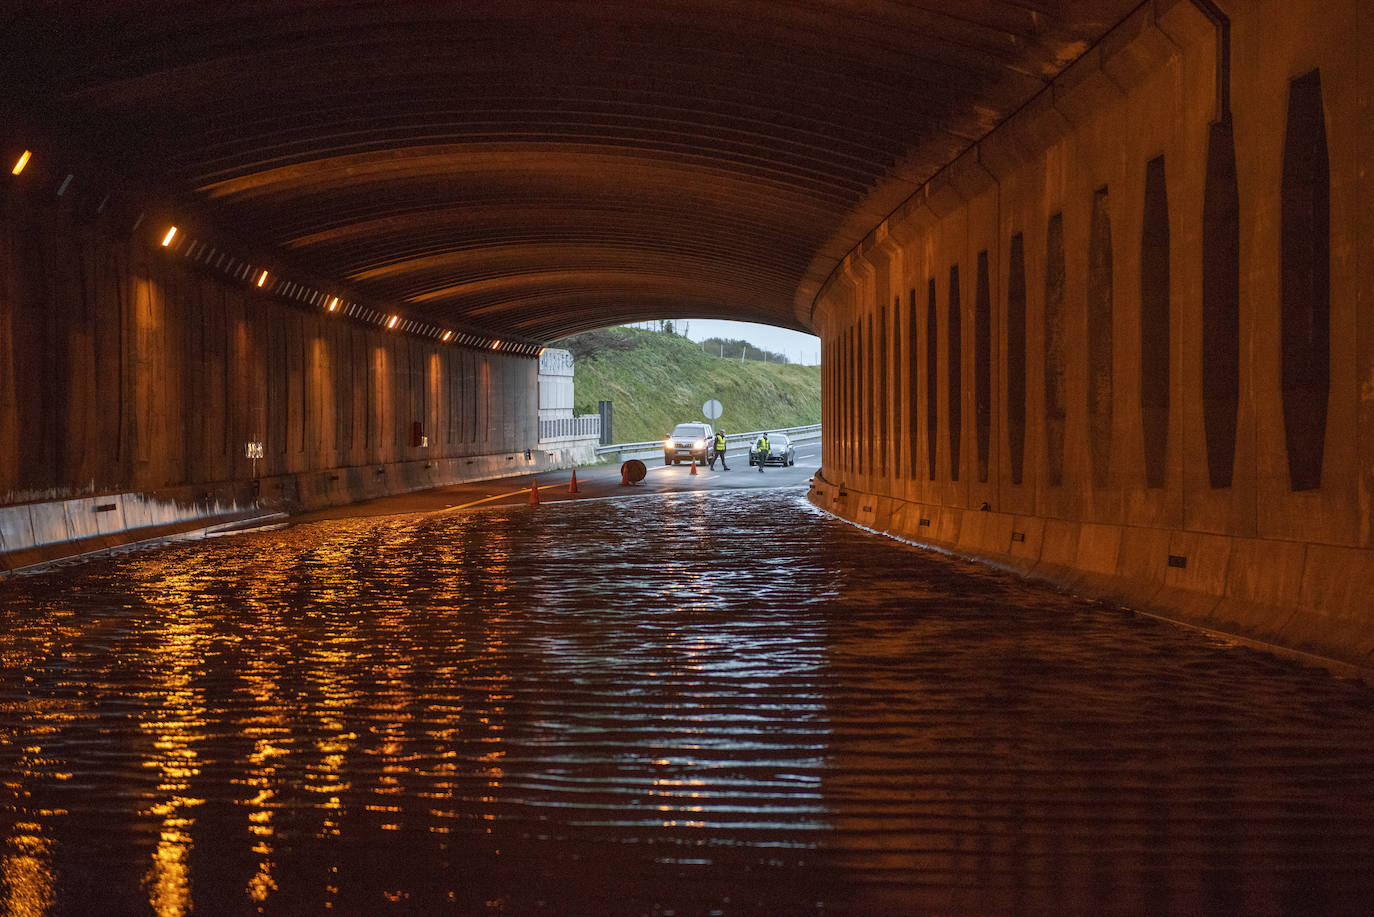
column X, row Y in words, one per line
column 656, row 380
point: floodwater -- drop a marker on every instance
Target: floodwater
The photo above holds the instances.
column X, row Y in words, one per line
column 702, row 703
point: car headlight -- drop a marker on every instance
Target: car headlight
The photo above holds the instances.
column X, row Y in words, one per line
column 698, row 444
column 668, row 443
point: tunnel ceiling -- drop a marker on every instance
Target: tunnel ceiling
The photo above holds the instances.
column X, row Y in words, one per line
column 539, row 168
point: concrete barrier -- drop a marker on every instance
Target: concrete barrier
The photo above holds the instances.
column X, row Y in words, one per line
column 38, row 533
column 1307, row 601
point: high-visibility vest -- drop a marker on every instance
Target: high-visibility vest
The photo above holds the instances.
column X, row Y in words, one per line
column 763, row 444
column 720, row 442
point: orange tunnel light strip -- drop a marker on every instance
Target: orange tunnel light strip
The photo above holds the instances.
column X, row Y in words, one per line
column 23, row 161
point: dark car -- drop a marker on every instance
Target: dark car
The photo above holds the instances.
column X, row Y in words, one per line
column 690, row 442
column 780, row 451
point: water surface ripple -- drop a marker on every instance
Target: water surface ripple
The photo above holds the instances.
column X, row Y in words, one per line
column 691, row 704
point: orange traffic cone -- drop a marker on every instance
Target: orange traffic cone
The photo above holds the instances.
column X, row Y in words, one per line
column 534, row 490
column 694, row 466
column 572, row 487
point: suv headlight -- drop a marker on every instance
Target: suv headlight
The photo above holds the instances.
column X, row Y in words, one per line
column 668, row 443
column 698, row 444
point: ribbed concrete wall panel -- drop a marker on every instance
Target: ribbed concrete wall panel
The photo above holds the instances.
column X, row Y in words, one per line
column 1125, row 425
column 128, row 371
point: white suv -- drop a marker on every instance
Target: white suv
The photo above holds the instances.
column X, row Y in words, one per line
column 690, row 441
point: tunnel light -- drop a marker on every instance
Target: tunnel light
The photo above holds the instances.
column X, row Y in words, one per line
column 541, row 350
column 262, row 278
column 495, row 344
column 23, row 161
column 448, row 335
column 334, row 304
column 171, row 234
column 391, row 322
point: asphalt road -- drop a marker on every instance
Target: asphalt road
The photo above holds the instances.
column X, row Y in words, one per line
column 597, row 481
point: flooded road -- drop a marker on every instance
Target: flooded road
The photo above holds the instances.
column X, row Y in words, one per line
column 693, row 703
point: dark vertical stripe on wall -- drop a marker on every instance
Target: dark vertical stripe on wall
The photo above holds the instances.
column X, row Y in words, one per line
column 1100, row 338
column 369, row 379
column 842, row 395
column 956, row 374
column 932, row 380
column 894, row 385
column 843, row 405
column 1306, row 282
column 852, row 398
column 881, row 394
column 851, row 385
column 827, row 392
column 1054, row 351
column 278, row 396
column 837, row 399
column 304, row 388
column 856, row 448
column 452, row 371
column 1220, row 304
column 982, row 365
column 913, row 374
column 870, row 402
column 474, row 400
column 1016, row 357
column 856, row 390
column 1154, row 323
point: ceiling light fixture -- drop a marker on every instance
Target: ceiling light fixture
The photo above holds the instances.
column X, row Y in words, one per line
column 23, row 161
column 167, row 239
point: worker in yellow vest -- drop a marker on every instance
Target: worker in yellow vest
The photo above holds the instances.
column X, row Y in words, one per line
column 719, row 452
column 761, row 447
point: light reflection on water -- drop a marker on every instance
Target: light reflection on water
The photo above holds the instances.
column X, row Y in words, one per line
column 702, row 703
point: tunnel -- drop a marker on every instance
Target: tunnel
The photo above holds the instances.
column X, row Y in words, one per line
column 1070, row 615
column 1092, row 279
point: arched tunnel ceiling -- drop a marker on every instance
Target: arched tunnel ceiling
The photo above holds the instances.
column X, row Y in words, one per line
column 539, row 167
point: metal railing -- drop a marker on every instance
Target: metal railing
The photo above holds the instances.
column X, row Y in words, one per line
column 732, row 441
column 585, row 425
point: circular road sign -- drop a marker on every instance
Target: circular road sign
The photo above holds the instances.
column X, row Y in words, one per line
column 711, row 409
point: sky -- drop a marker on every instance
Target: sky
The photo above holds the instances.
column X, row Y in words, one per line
column 798, row 347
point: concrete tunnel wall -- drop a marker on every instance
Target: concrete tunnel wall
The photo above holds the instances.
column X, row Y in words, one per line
column 1068, row 323
column 131, row 381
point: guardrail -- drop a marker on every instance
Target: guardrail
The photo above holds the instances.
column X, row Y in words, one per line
column 563, row 427
column 654, row 447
